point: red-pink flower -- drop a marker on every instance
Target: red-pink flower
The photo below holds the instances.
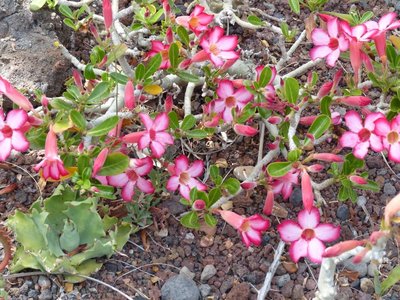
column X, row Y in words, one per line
column 328, row 44
column 197, row 21
column 284, row 185
column 245, row 130
column 342, row 247
column 328, row 157
column 217, row 47
column 7, row 89
column 12, row 131
column 387, row 22
column 390, row 133
column 307, row 191
column 183, row 176
column 361, row 137
column 307, row 236
column 133, row 177
column 99, row 161
column 107, row 14
column 129, row 97
column 51, row 166
column 249, row 228
column 354, row 100
column 159, row 47
column 229, row 98
column 154, row 136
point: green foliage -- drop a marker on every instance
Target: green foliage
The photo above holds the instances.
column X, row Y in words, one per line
column 65, row 233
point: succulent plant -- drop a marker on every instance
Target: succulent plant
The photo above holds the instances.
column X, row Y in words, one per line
column 65, row 234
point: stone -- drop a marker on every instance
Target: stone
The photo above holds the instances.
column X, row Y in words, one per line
column 367, row 286
column 311, row 284
column 226, row 285
column 33, row 294
column 389, row 189
column 282, row 280
column 343, row 212
column 46, row 295
column 371, row 269
column 287, row 289
column 239, row 291
column 24, row 288
column 44, row 282
column 205, row 290
column 208, row 272
column 296, row 197
column 298, row 292
column 111, row 267
column 361, row 268
column 180, row 287
column 185, row 271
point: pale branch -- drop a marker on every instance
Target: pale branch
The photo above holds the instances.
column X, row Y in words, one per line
column 302, row 69
column 261, row 142
column 73, row 3
column 76, row 62
column 290, row 52
column 252, row 177
column 294, row 122
column 262, row 293
column 365, row 84
column 187, row 103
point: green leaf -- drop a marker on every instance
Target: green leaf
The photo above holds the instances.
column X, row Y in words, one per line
column 154, row 18
column 116, row 52
column 190, row 220
column 325, row 104
column 153, row 65
column 197, row 134
column 186, row 76
column 100, row 92
column 351, row 164
column 279, row 169
column 255, row 20
column 77, row 118
column 173, row 120
column 294, row 155
column 232, row 185
column 395, row 104
column 119, row 77
column 391, row 280
column 370, row 186
column 104, row 127
column 265, row 77
column 210, row 220
column 66, row 11
column 292, row 89
column 37, row 4
column 188, row 122
column 391, row 54
column 183, row 35
column 214, row 172
column 116, row 163
column 193, row 194
column 213, row 196
column 97, row 54
column 295, row 6
column 140, row 72
column 88, row 73
column 70, row 23
column 60, row 104
column 318, row 127
column 366, row 16
column 69, row 239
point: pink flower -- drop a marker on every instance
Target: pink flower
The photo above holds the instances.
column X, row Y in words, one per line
column 387, row 22
column 284, row 185
column 307, row 191
column 249, row 228
column 199, row 204
column 198, row 20
column 328, row 157
column 342, row 247
column 7, row 89
column 129, row 97
column 52, row 166
column 133, row 177
column 99, row 161
column 12, row 132
column 307, row 236
column 154, row 136
column 269, row 89
column 269, row 203
column 390, row 133
column 245, row 130
column 217, row 47
column 159, row 47
column 107, row 14
column 361, row 137
column 354, row 100
column 328, row 44
column 229, row 99
column 183, row 176
column 358, row 179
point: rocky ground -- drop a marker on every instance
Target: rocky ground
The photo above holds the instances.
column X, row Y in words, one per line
column 171, row 261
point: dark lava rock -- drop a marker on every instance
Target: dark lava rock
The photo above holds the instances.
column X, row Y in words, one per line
column 180, row 287
column 239, row 291
column 296, row 198
column 343, row 212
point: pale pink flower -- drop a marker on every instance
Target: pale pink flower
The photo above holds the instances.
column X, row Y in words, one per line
column 307, row 236
column 217, row 47
column 307, row 193
column 358, row 179
column 154, row 136
column 107, row 14
column 197, row 21
column 245, row 130
column 99, row 161
column 385, row 23
column 230, row 98
column 129, row 97
column 51, row 166
column 284, row 185
column 159, row 47
column 361, row 136
column 249, row 228
column 12, row 131
column 390, row 133
column 183, row 176
column 268, row 203
column 354, row 100
column 328, row 157
column 328, row 44
column 133, row 177
column 342, row 247
column 7, row 89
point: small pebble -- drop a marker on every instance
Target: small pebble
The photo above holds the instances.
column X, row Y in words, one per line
column 389, row 189
column 205, row 290
column 343, row 212
column 185, row 271
column 282, row 280
column 366, row 285
column 44, row 282
column 208, row 272
column 296, row 197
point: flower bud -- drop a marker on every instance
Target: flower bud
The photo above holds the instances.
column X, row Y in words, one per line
column 199, row 205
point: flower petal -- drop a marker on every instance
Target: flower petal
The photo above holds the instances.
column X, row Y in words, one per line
column 227, row 43
column 173, row 183
column 5, row 146
column 289, row 231
column 146, row 120
column 225, row 89
column 349, row 139
column 320, row 52
column 254, row 236
column 320, row 37
column 361, row 150
column 161, row 122
column 394, row 152
column 16, row 118
column 243, row 95
column 376, row 143
column 119, row 180
column 196, row 169
column 370, row 120
column 298, row 249
column 128, row 190
column 145, row 185
column 327, row 232
column 185, row 191
column 333, row 57
column 157, row 149
column 382, row 127
column 353, row 121
column 19, row 142
column 258, row 223
column 309, row 219
column 181, row 163
column 315, row 250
